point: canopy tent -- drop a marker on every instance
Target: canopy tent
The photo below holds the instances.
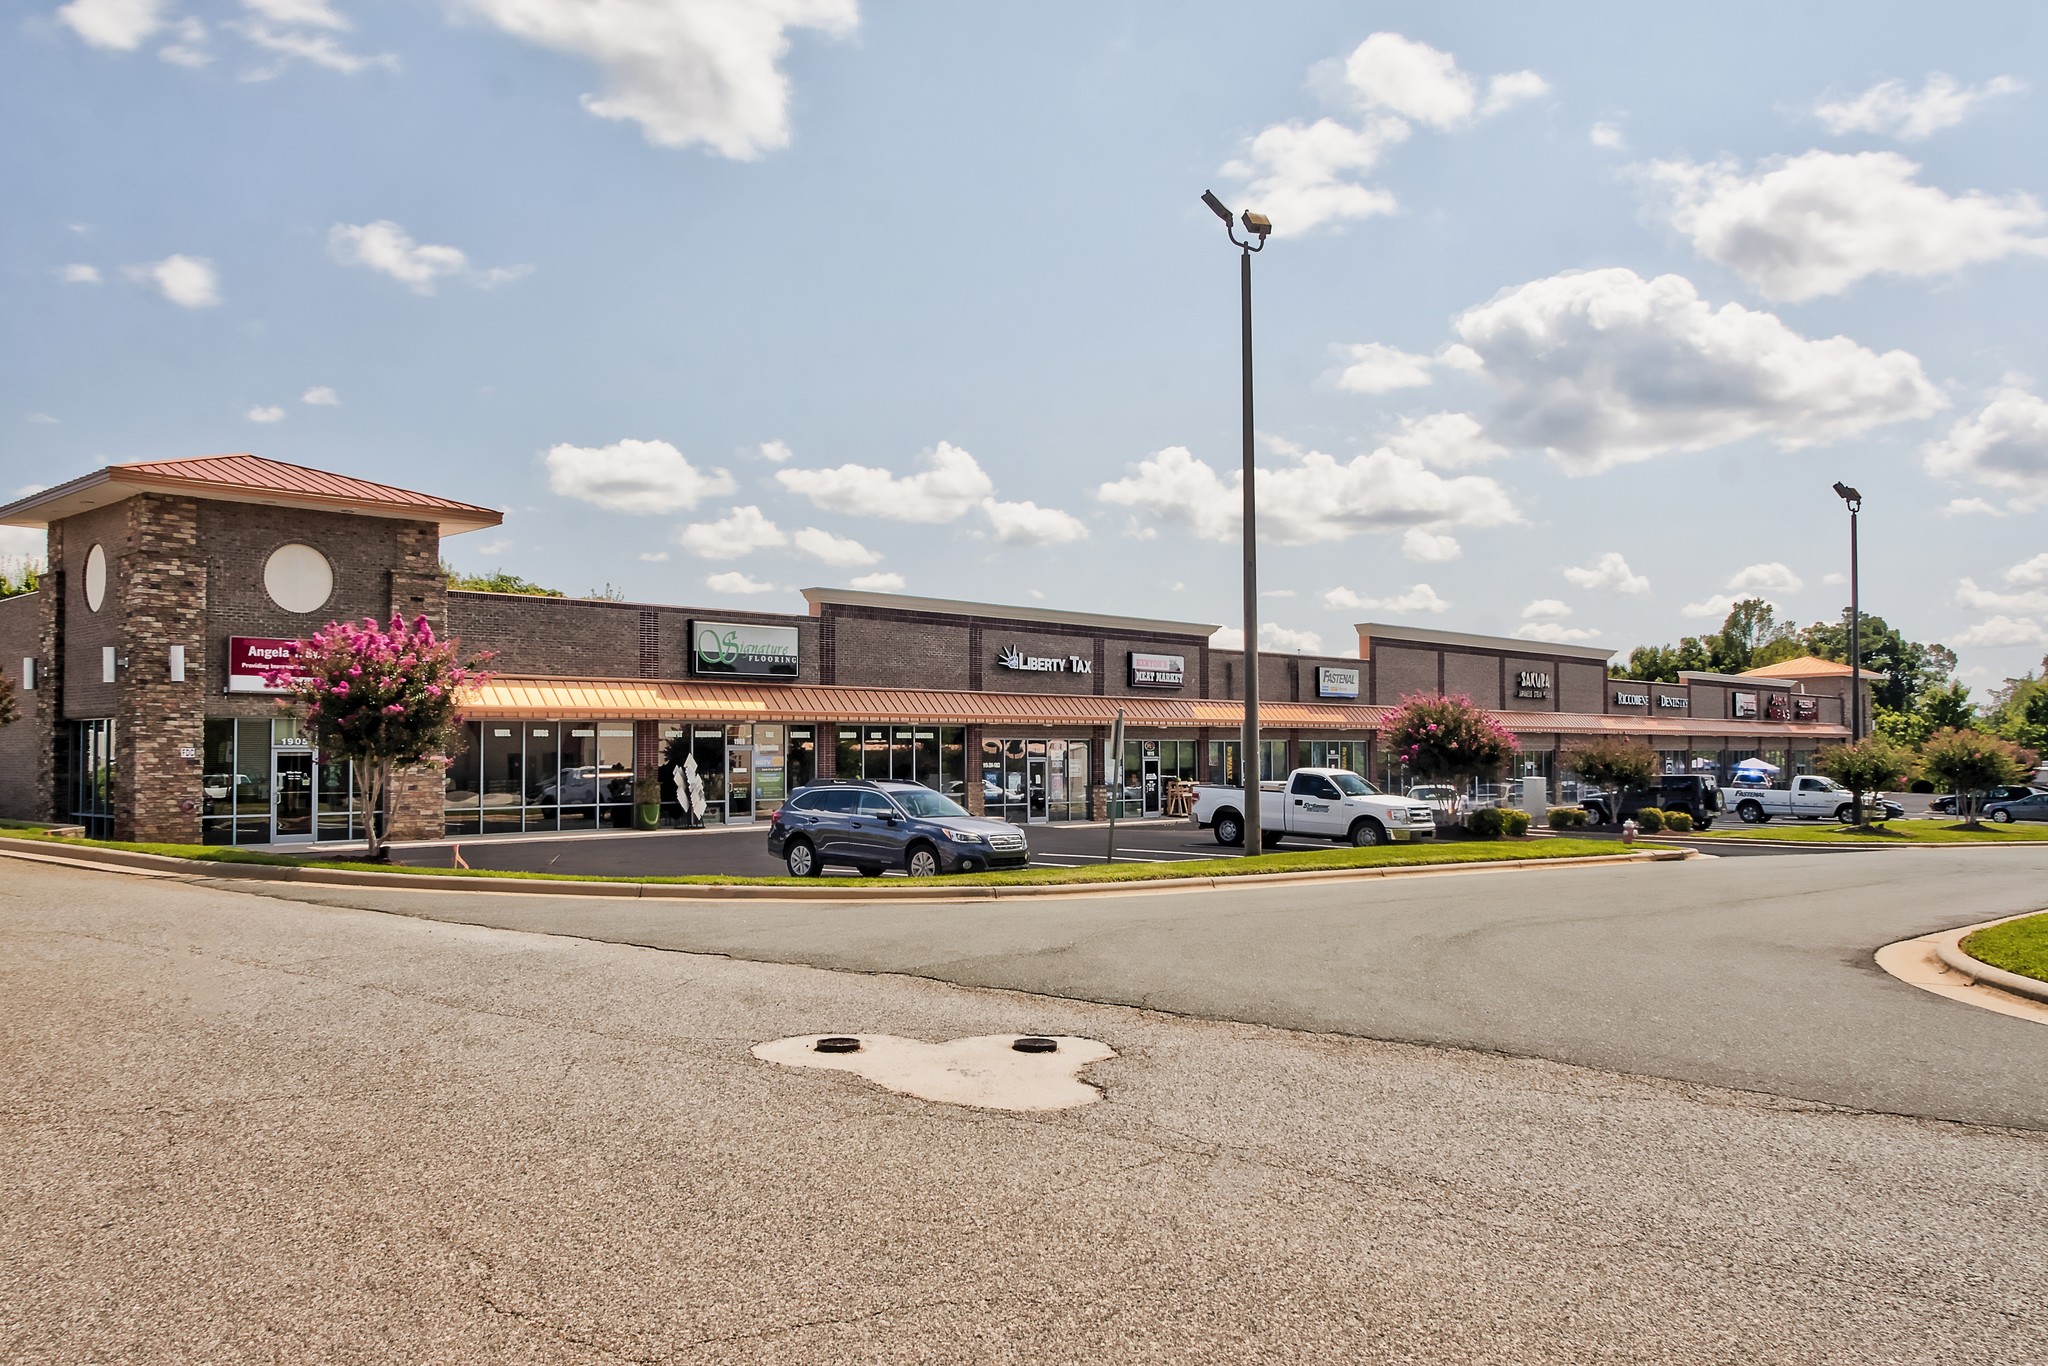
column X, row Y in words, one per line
column 1756, row 766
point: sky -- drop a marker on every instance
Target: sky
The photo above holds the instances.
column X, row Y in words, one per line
column 1570, row 319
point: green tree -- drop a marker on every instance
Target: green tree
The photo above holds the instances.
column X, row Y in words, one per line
column 1901, row 668
column 18, row 576
column 1969, row 762
column 1612, row 763
column 2019, row 710
column 1750, row 625
column 1448, row 737
column 1870, row 765
column 497, row 581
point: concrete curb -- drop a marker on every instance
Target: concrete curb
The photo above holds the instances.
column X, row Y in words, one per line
column 1949, row 948
column 159, row 865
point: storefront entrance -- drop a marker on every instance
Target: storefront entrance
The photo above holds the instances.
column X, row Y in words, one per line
column 739, row 783
column 291, row 795
column 1149, row 773
column 1037, row 809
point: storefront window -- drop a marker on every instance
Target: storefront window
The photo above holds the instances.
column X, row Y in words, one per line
column 615, row 774
column 217, row 782
column 92, row 777
column 1344, row 754
column 462, row 785
column 528, row 771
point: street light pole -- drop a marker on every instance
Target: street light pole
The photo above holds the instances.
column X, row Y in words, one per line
column 1855, row 501
column 1257, row 226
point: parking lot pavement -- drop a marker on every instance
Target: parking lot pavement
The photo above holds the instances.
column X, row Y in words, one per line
column 240, row 1129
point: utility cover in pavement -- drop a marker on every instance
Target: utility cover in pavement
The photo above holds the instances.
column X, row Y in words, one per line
column 984, row 1072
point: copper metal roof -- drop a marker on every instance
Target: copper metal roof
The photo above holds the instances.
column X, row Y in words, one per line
column 1806, row 666
column 680, row 700
column 246, row 479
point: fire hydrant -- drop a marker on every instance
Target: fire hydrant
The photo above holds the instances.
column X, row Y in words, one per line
column 1628, row 830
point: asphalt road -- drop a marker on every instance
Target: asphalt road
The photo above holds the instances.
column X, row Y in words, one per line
column 1741, row 972
column 234, row 1128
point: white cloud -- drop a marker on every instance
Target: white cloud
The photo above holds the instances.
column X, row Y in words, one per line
column 735, row 582
column 187, row 281
column 1429, row 547
column 633, row 476
column 1611, row 572
column 1964, row 507
column 387, row 248
column 740, row 532
column 951, row 484
column 122, row 25
column 1969, row 595
column 320, row 396
column 1376, row 369
column 653, row 556
column 1554, row 633
column 301, row 13
column 2002, row 630
column 1029, row 524
column 1604, row 367
column 1893, row 108
column 1511, row 88
column 1607, row 137
column 1415, row 598
column 80, row 275
column 1445, row 440
column 1317, row 498
column 271, row 413
column 1277, row 593
column 686, row 71
column 42, row 420
column 879, row 583
column 1834, row 578
column 2029, row 573
column 1815, row 224
column 1546, row 609
column 775, row 452
column 1272, row 636
column 24, row 543
column 2004, row 445
column 844, row 551
column 1771, row 577
column 1416, row 81
column 321, row 49
column 188, row 47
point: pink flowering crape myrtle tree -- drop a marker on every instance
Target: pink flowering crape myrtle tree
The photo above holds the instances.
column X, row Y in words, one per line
column 383, row 697
column 1440, row 739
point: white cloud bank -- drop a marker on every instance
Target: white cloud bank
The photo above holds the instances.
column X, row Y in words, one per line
column 1317, row 498
column 387, row 248
column 2003, row 445
column 843, row 551
column 1603, row 367
column 1272, row 637
column 951, row 485
column 1610, row 572
column 1765, row 581
column 79, row 274
column 740, row 532
column 1418, row 597
column 733, row 581
column 1815, row 224
column 321, row 396
column 1429, row 547
column 1895, row 109
column 1304, row 175
column 187, row 281
column 2002, row 630
column 878, row 583
column 1027, row 523
column 650, row 477
column 118, row 25
column 266, row 413
column 688, row 72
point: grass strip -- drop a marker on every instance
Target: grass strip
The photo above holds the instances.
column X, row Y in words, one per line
column 1314, row 860
column 2019, row 946
column 1898, row 832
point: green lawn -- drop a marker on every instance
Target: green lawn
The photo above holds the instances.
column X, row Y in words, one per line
column 1897, row 832
column 1317, row 860
column 2019, row 946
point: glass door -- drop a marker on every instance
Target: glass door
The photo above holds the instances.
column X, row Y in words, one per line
column 739, row 784
column 1151, row 775
column 291, row 795
column 1037, row 812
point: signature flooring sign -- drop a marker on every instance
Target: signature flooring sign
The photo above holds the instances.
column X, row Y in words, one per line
column 730, row 649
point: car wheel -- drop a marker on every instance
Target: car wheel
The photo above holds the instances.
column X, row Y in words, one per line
column 1706, row 824
column 922, row 861
column 2003, row 817
column 1229, row 829
column 1596, row 815
column 870, row 870
column 1752, row 812
column 1367, row 832
column 1845, row 814
column 801, row 859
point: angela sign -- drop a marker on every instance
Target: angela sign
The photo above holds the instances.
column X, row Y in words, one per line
column 731, row 649
column 251, row 657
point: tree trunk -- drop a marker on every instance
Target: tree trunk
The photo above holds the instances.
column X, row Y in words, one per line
column 375, row 779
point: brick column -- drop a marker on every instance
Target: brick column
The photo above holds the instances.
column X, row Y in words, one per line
column 161, row 588
column 419, row 588
column 53, row 753
column 971, row 759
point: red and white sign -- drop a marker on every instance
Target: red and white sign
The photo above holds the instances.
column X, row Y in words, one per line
column 250, row 657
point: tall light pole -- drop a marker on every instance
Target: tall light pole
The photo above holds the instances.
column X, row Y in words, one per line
column 1855, row 502
column 1256, row 227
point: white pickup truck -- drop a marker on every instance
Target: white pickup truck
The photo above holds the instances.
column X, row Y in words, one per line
column 1808, row 798
column 1314, row 803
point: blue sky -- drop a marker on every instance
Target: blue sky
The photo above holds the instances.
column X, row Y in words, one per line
column 1569, row 322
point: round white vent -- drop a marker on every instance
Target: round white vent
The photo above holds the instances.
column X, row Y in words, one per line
column 298, row 578
column 95, row 577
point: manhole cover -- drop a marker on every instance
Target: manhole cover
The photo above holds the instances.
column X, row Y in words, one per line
column 992, row 1072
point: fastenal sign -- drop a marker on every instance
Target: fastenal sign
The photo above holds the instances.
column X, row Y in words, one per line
column 1158, row 671
column 731, row 649
column 250, row 657
column 1336, row 682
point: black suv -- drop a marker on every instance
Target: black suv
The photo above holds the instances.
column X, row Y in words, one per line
column 876, row 826
column 1696, row 794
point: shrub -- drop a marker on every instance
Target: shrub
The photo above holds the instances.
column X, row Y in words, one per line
column 1567, row 817
column 1969, row 761
column 1487, row 822
column 1613, row 764
column 1649, row 820
column 1514, row 821
column 1679, row 821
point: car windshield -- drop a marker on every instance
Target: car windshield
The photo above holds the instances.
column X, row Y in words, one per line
column 928, row 804
column 1829, row 785
column 1351, row 785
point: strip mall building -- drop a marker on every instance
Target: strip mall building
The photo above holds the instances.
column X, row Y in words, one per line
column 173, row 585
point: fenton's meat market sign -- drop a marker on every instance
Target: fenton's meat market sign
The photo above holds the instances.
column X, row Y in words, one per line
column 251, row 657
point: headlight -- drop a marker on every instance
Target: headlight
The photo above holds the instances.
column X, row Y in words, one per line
column 965, row 837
